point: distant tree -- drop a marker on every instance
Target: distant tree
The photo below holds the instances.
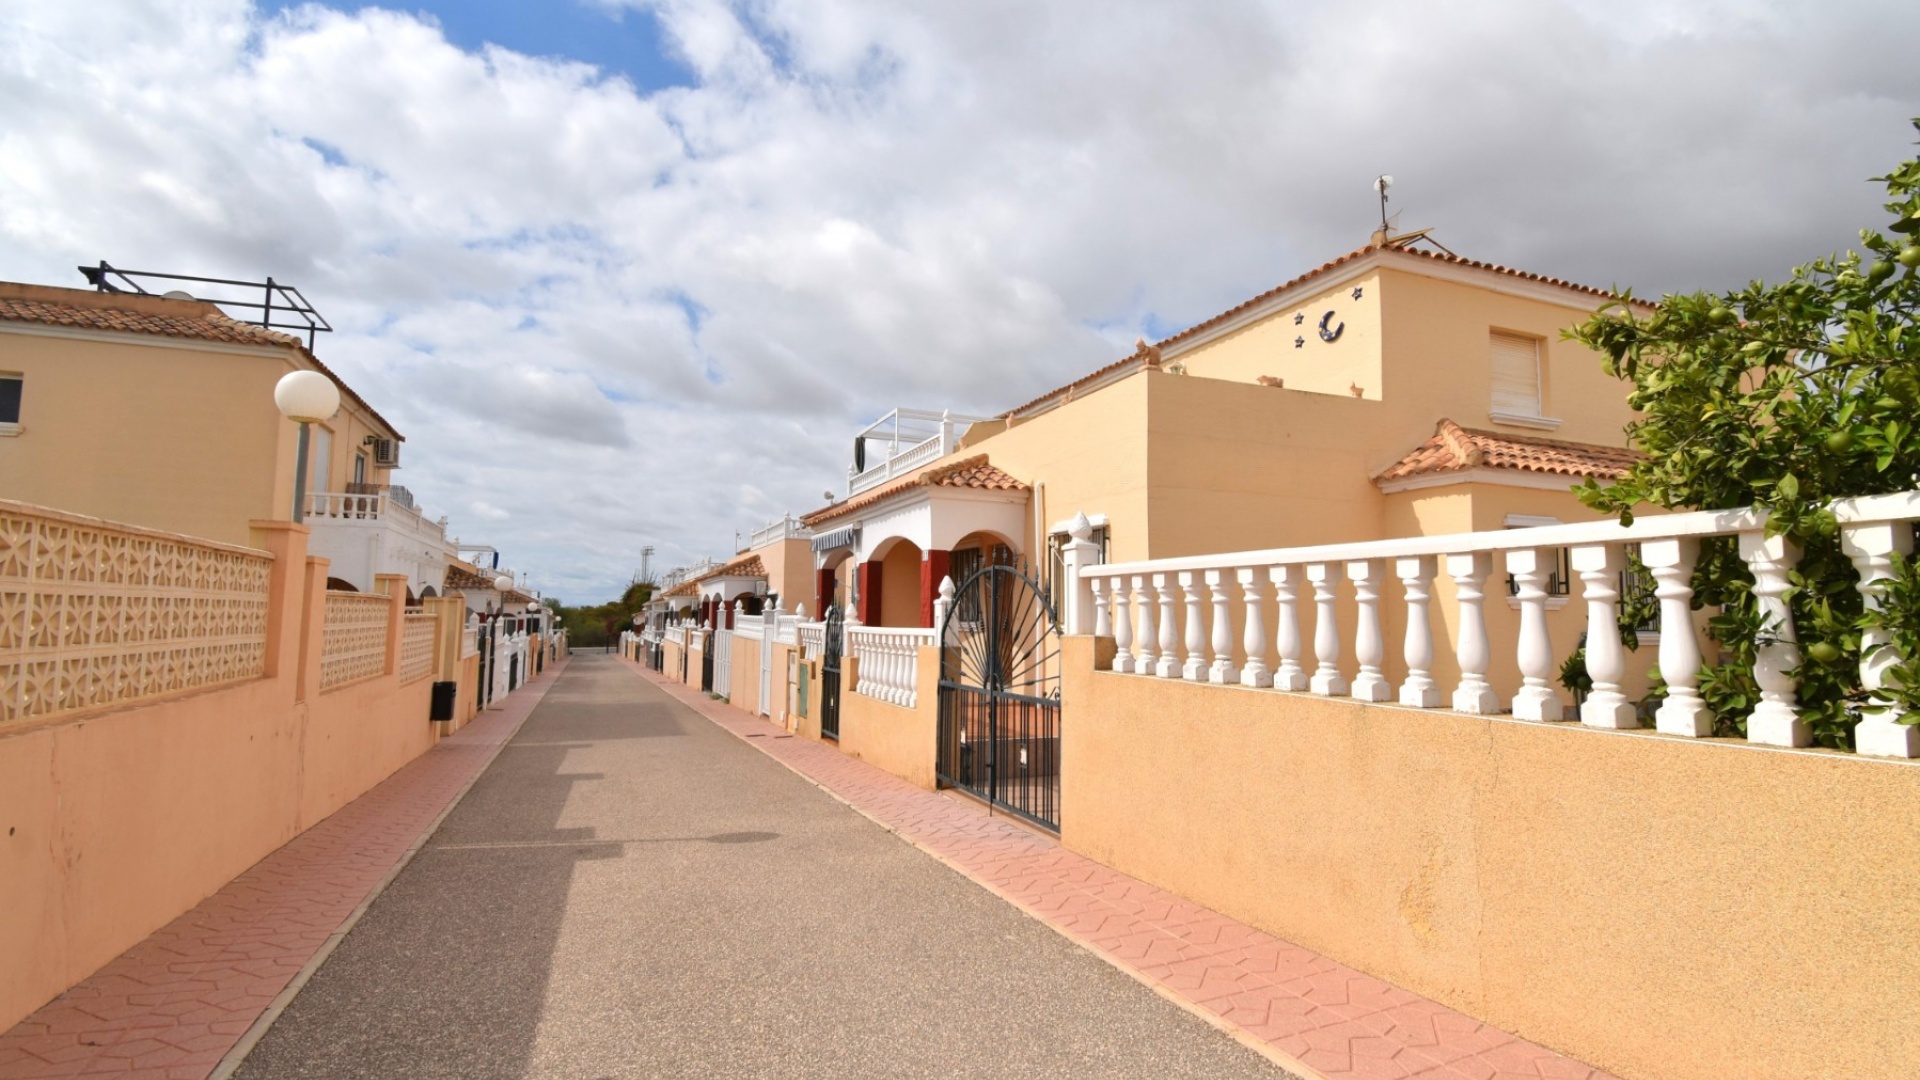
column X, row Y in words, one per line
column 1788, row 396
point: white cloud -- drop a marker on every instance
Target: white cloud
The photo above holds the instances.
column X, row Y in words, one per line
column 605, row 319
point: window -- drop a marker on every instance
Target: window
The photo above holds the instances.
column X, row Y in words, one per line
column 1516, row 379
column 360, row 468
column 10, row 387
column 322, row 458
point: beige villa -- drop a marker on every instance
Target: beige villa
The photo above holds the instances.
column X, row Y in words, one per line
column 158, row 411
column 1391, row 392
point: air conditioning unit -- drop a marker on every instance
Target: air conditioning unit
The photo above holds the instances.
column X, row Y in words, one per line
column 386, row 453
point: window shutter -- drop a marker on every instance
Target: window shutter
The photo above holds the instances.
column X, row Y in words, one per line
column 1516, row 375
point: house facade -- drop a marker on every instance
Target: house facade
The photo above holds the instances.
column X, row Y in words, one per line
column 158, row 411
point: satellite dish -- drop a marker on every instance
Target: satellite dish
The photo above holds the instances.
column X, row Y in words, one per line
column 1382, row 183
column 177, row 294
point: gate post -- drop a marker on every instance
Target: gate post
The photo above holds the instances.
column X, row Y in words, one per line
column 1076, row 593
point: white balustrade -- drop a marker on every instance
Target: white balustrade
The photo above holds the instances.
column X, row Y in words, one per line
column 1255, row 671
column 1416, row 579
column 1536, row 700
column 1142, row 605
column 1196, row 666
column 1776, row 719
column 1286, row 590
column 1599, row 567
column 1872, row 547
column 1144, row 657
column 1222, row 670
column 1327, row 679
column 1369, row 645
column 889, row 661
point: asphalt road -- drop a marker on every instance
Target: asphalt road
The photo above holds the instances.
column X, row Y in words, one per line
column 632, row 892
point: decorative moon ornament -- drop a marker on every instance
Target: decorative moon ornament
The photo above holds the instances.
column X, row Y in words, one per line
column 1332, row 335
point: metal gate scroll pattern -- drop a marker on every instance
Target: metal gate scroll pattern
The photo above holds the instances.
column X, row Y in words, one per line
column 1000, row 695
column 833, row 640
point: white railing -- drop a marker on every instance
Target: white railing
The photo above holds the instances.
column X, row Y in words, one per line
column 907, row 439
column 786, row 629
column 469, row 641
column 677, row 635
column 374, row 509
column 750, row 626
column 773, row 532
column 812, row 639
column 1176, row 618
column 889, row 661
column 723, row 663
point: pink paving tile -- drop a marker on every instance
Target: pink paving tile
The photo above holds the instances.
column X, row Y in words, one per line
column 1338, row 1023
column 171, row 1007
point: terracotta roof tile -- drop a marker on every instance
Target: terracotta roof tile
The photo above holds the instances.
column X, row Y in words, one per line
column 746, row 566
column 1150, row 355
column 463, row 576
column 192, row 320
column 1457, row 449
column 973, row 472
column 685, row 588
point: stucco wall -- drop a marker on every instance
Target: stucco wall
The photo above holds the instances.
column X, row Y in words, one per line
column 120, row 819
column 142, row 430
column 897, row 740
column 1664, row 908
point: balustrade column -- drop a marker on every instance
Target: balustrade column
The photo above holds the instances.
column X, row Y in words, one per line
column 1196, row 666
column 1102, row 623
column 1536, row 700
column 1776, row 719
column 1469, row 573
column 1369, row 643
column 1168, row 666
column 1872, row 547
column 1122, row 625
column 1144, row 656
column 1671, row 564
column 1327, row 679
column 1286, row 591
column 1222, row 670
column 1254, row 637
column 1599, row 566
column 1416, row 577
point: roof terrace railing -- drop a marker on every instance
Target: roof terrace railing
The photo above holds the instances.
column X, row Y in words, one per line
column 279, row 306
column 903, row 440
column 773, row 532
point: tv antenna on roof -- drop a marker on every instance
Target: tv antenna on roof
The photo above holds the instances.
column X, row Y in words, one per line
column 1380, row 184
column 1384, row 236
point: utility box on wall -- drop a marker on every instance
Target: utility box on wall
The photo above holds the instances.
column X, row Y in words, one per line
column 444, row 694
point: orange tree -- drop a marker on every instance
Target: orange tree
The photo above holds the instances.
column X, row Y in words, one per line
column 1788, row 396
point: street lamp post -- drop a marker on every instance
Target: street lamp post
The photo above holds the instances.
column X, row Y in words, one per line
column 305, row 397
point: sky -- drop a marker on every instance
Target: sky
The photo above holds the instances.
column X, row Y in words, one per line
column 632, row 272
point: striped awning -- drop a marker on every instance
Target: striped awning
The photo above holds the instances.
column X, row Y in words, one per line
column 838, row 538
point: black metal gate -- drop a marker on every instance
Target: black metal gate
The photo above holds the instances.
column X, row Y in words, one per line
column 706, row 661
column 1000, row 695
column 833, row 640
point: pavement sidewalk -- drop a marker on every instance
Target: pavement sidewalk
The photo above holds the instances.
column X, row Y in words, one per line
column 1306, row 1012
column 178, row 1004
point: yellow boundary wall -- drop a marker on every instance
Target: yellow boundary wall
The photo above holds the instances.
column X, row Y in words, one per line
column 1664, row 908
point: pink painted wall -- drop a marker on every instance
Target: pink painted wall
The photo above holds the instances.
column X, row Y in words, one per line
column 114, row 823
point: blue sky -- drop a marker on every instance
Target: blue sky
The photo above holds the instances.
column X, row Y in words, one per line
column 623, row 41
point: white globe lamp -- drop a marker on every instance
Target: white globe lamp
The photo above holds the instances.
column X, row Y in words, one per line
column 304, row 397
